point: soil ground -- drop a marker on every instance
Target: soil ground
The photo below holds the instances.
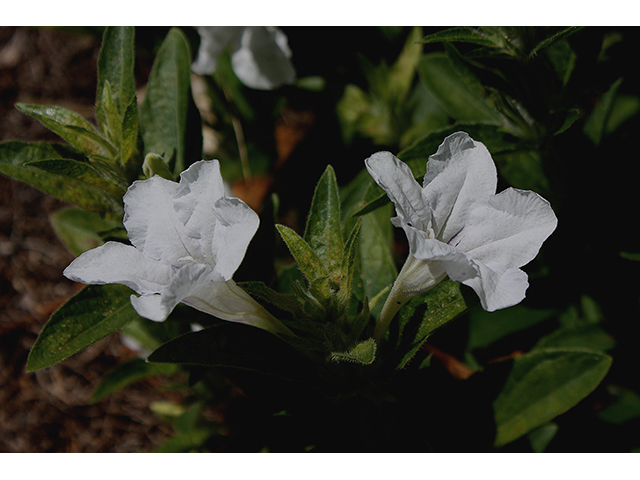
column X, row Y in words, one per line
column 50, row 410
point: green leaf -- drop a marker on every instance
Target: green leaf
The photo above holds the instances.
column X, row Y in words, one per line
column 485, row 328
column 542, row 385
column 403, row 70
column 624, row 108
column 116, row 66
column 452, row 92
column 378, row 266
column 85, row 172
column 127, row 373
column 121, row 129
column 112, row 126
column 352, row 197
column 282, row 301
column 596, row 125
column 363, row 353
column 237, row 346
column 323, row 232
column 425, row 313
column 541, row 436
column 130, row 130
column 630, row 256
column 79, row 229
column 71, row 127
column 524, row 170
column 588, row 336
column 14, row 156
column 460, row 34
column 308, row 261
column 349, row 257
column 164, row 114
column 571, row 117
column 625, row 406
column 92, row 314
column 556, row 37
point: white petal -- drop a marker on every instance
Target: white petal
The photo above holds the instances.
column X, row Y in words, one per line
column 417, row 276
column 201, row 185
column 152, row 224
column 235, row 226
column 114, row 262
column 186, row 280
column 498, row 287
column 227, row 301
column 509, row 230
column 261, row 62
column 458, row 265
column 460, row 175
column 395, row 178
column 213, row 41
column 150, row 306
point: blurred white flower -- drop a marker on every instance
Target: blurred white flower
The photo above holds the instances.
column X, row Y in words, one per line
column 188, row 239
column 260, row 56
column 458, row 226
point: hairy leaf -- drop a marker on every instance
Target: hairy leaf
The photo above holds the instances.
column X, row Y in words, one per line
column 71, row 127
column 323, row 232
column 14, row 156
column 116, row 66
column 164, row 113
column 92, row 314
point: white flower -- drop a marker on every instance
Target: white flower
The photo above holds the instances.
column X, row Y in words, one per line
column 260, row 56
column 458, row 226
column 188, row 240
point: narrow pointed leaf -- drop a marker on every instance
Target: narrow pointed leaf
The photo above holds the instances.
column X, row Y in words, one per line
column 71, row 127
column 596, row 124
column 130, row 128
column 349, row 257
column 363, row 353
column 378, row 267
column 120, row 128
column 543, row 384
column 80, row 230
column 92, row 314
column 423, row 314
column 460, row 34
column 556, row 37
column 323, row 232
column 165, row 109
column 112, row 127
column 308, row 261
column 452, row 93
column 378, row 202
column 14, row 156
column 81, row 171
column 280, row 300
column 116, row 66
column 127, row 373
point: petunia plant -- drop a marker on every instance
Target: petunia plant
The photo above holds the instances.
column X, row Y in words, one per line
column 313, row 321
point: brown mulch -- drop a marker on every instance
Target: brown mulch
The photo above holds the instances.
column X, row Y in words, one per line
column 50, row 410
